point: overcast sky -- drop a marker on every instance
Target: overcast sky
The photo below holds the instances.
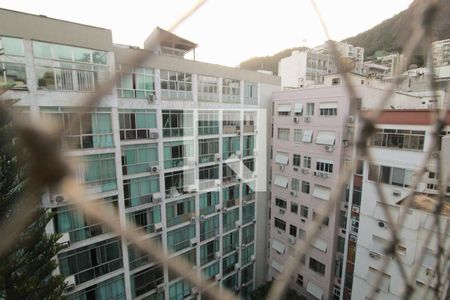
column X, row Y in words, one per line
column 227, row 31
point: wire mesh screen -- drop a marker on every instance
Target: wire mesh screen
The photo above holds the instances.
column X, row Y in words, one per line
column 51, row 167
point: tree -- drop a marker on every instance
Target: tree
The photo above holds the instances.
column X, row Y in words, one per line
column 262, row 292
column 26, row 266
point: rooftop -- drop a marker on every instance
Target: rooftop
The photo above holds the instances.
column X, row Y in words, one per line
column 427, row 203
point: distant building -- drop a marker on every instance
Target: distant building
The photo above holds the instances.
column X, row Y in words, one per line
column 441, row 53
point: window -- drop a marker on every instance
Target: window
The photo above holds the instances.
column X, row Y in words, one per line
column 180, row 211
column 295, row 184
column 230, row 172
column 250, row 93
column 305, row 187
column 316, row 266
column 374, row 274
column 249, row 121
column 136, row 124
column 67, row 68
column 137, row 82
column 342, row 219
column 175, row 153
column 280, row 203
column 326, row 138
column 399, row 139
column 297, row 135
column 177, row 123
column 280, row 224
column 296, row 160
column 208, row 122
column 178, row 182
column 113, row 288
column 97, row 172
column 230, row 242
column 307, row 162
column 293, row 230
column 207, row 175
column 92, row 130
column 180, row 238
column 231, row 90
column 249, row 145
column 208, row 88
column 335, row 81
column 207, row 251
column 299, row 280
column 138, row 258
column 307, row 136
column 208, row 201
column 310, row 109
column 284, row 110
column 230, row 196
column 283, row 134
column 145, row 219
column 324, row 166
column 91, row 261
column 304, row 211
column 176, row 85
column 248, row 213
column 328, row 109
column 294, row 208
column 138, row 191
column 12, row 63
column 139, row 158
column 230, row 146
column 248, row 234
column 209, row 228
column 231, row 122
column 301, row 235
column 207, row 150
column 298, row 109
column 390, row 175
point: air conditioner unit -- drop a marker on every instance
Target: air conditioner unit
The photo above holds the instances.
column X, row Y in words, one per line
column 353, row 238
column 154, row 135
column 194, row 290
column 237, row 224
column 296, row 119
column 237, row 267
column 158, row 227
column 303, row 220
column 343, row 231
column 217, row 255
column 292, row 240
column 153, row 169
column 218, row 277
column 294, row 193
column 70, row 282
column 160, row 288
column 253, row 257
column 324, row 175
column 64, row 239
column 281, row 167
column 218, row 207
column 190, row 161
column 59, row 198
column 305, row 170
column 396, row 193
column 329, row 148
column 355, row 209
column 237, row 248
column 307, row 119
column 255, row 153
column 238, row 154
column 282, row 211
column 151, row 98
column 202, row 218
column 238, row 131
column 295, row 169
column 351, row 119
column 225, row 209
column 254, row 221
column 345, row 143
column 191, row 188
column 217, row 156
column 316, row 173
column 217, row 182
column 156, row 197
column 193, row 219
column 194, row 242
column 374, row 255
column 382, row 224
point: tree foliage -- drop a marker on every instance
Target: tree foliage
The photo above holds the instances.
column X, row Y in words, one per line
column 26, row 266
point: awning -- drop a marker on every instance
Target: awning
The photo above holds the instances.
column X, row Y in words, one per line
column 298, row 108
column 281, row 181
column 320, row 244
column 282, row 158
column 278, row 246
column 284, row 108
column 277, row 266
column 326, row 138
column 307, row 136
column 322, row 192
column 380, row 212
column 328, row 105
column 314, row 290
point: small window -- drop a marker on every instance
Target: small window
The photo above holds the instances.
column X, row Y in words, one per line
column 293, row 230
column 305, row 187
column 307, row 162
column 294, row 208
column 335, row 81
column 304, row 211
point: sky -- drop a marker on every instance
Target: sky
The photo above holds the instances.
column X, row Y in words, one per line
column 227, row 31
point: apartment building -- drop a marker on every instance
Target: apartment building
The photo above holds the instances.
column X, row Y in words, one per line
column 398, row 148
column 171, row 149
column 441, row 53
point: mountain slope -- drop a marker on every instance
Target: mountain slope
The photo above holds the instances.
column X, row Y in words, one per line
column 390, row 35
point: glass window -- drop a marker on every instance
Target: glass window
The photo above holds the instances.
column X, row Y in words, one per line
column 305, row 187
column 208, row 122
column 139, row 158
column 307, row 162
column 136, row 82
column 294, row 208
column 208, row 150
column 296, row 160
column 304, row 211
column 146, row 219
column 309, row 109
column 178, row 182
column 137, row 124
column 146, row 280
column 138, row 191
column 177, row 123
column 176, row 85
column 283, row 134
column 177, row 153
column 97, row 172
column 231, row 90
column 250, row 93
column 180, row 211
column 297, row 135
column 180, row 238
column 230, row 146
column 280, row 224
column 208, row 88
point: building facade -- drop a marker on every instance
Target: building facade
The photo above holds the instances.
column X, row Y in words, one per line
column 171, row 150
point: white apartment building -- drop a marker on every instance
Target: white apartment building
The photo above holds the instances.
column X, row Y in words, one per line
column 162, row 150
column 441, row 53
column 398, row 148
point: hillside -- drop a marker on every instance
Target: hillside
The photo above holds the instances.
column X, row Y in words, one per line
column 389, row 35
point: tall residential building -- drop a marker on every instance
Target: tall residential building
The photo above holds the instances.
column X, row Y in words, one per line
column 162, row 151
column 441, row 53
column 398, row 148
